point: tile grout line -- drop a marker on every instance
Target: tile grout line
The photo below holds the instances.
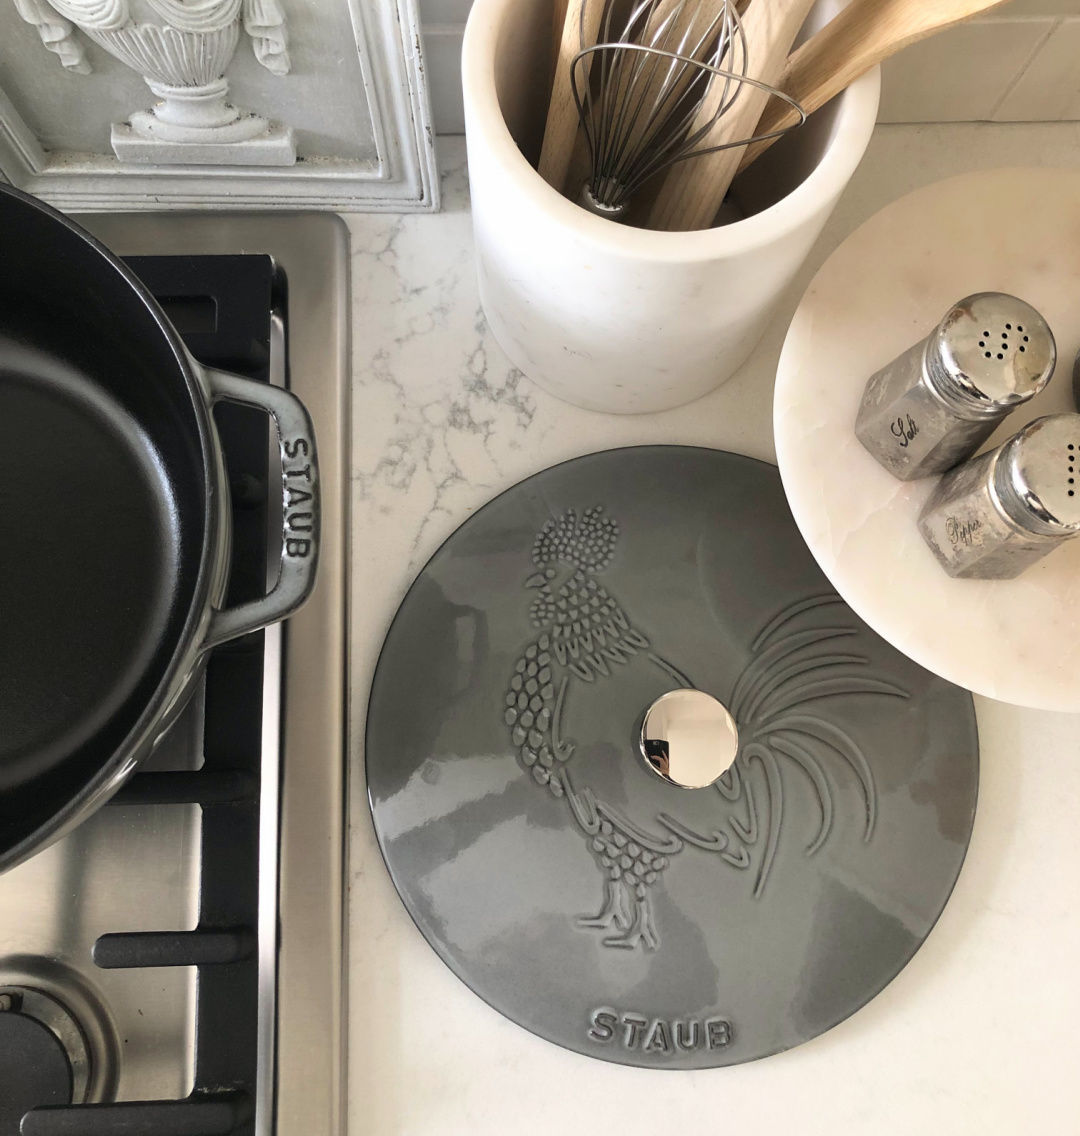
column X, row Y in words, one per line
column 1025, row 67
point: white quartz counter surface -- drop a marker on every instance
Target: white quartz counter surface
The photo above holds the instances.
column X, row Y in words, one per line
column 977, row 1035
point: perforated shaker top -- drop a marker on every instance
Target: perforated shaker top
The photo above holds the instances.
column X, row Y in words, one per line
column 996, row 349
column 1041, row 466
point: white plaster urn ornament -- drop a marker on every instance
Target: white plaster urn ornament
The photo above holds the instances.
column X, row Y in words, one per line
column 182, row 49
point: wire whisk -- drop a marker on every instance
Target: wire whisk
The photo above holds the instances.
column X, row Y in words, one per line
column 639, row 89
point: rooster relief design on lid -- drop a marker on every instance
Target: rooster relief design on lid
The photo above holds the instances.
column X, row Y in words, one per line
column 780, row 702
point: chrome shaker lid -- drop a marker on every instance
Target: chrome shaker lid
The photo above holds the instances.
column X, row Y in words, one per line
column 992, row 350
column 1038, row 475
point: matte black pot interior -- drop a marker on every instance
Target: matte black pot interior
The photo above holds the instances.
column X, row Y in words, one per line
column 104, row 504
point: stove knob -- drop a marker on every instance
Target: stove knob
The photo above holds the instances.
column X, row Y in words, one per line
column 34, row 1066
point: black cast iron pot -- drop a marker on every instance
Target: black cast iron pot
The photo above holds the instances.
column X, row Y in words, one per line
column 115, row 539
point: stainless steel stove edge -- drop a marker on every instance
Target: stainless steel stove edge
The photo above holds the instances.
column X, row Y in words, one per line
column 310, row 1023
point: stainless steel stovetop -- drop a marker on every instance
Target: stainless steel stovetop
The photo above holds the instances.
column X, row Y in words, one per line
column 135, row 866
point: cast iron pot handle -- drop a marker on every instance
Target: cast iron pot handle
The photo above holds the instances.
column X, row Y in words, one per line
column 300, row 491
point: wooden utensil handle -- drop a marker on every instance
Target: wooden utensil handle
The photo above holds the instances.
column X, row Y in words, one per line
column 558, row 22
column 562, row 118
column 856, row 39
column 694, row 189
column 820, row 69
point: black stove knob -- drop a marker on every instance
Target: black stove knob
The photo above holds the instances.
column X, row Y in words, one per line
column 34, row 1068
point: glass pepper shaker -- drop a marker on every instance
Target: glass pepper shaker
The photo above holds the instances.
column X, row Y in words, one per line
column 995, row 515
column 937, row 403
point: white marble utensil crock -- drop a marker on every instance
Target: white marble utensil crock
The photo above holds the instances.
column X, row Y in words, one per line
column 1009, row 230
column 611, row 317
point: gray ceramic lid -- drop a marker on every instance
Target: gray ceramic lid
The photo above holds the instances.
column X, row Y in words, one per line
column 564, row 881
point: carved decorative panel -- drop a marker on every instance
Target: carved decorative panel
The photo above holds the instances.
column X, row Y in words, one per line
column 175, row 104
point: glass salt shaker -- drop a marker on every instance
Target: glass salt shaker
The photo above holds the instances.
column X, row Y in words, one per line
column 995, row 515
column 937, row 403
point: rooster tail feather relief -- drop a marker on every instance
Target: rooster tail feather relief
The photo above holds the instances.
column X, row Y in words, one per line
column 799, row 662
column 791, row 612
column 809, row 764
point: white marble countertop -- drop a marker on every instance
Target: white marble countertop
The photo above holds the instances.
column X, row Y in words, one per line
column 976, row 1035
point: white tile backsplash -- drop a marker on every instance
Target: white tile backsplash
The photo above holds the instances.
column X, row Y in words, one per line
column 960, row 75
column 1049, row 89
column 1039, row 8
column 457, row 11
column 442, row 59
column 1021, row 62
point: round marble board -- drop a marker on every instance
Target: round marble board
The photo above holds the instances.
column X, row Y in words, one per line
column 882, row 290
column 564, row 881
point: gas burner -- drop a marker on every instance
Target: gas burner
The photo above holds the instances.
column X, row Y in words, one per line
column 36, row 1067
column 58, row 1043
column 44, row 1059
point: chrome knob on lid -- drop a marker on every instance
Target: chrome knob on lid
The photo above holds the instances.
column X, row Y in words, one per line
column 689, row 739
column 1037, row 478
column 991, row 353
